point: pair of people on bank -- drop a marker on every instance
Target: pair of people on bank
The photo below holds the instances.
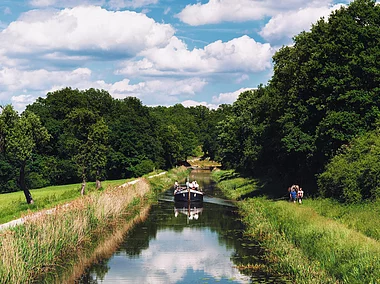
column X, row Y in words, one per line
column 295, row 193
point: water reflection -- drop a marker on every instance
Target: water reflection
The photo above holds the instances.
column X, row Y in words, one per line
column 196, row 243
column 191, row 209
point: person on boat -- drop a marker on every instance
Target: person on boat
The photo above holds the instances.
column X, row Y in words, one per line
column 300, row 195
column 196, row 185
column 175, row 184
column 187, row 184
column 192, row 184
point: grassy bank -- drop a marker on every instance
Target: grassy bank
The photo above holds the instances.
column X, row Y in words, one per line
column 305, row 244
column 43, row 248
column 13, row 205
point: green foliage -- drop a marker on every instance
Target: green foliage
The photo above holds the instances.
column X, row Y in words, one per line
column 323, row 93
column 354, row 173
column 143, row 167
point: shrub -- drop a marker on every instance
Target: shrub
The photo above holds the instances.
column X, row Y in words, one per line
column 354, row 173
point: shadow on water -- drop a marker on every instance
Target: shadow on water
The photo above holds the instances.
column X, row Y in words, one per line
column 185, row 243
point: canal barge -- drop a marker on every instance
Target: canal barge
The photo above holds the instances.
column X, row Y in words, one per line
column 187, row 194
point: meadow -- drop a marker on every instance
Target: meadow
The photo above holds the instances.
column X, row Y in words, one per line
column 46, row 247
column 319, row 241
column 13, row 205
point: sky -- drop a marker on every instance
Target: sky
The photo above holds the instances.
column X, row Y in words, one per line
column 164, row 52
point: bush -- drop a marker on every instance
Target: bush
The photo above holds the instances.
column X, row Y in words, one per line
column 142, row 168
column 354, row 174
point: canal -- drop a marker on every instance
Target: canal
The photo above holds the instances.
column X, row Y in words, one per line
column 177, row 243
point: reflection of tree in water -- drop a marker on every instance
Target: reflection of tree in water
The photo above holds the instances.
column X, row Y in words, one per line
column 97, row 272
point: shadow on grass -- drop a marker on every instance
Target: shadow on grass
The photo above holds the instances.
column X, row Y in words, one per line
column 269, row 189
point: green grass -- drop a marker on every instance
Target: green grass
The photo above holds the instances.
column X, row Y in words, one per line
column 320, row 241
column 46, row 247
column 363, row 217
column 13, row 205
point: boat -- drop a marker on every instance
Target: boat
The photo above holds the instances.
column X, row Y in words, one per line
column 187, row 194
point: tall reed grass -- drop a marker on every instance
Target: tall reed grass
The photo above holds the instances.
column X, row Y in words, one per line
column 42, row 248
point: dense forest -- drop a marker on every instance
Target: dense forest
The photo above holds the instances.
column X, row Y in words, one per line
column 315, row 122
column 311, row 121
column 73, row 136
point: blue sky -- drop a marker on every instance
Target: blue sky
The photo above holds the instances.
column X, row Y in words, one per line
column 162, row 51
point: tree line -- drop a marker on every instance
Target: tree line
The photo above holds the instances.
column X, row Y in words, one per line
column 75, row 136
column 316, row 120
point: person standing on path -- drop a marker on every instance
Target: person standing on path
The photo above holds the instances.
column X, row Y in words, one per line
column 300, row 195
column 293, row 194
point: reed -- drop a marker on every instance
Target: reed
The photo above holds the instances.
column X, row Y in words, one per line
column 46, row 245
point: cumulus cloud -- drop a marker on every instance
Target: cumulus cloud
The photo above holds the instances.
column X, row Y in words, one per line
column 159, row 92
column 217, row 11
column 84, row 30
column 12, row 79
column 191, row 103
column 28, row 85
column 21, row 101
column 286, row 25
column 113, row 4
column 242, row 54
column 228, row 98
column 63, row 3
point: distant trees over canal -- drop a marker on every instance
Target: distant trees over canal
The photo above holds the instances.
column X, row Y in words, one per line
column 92, row 136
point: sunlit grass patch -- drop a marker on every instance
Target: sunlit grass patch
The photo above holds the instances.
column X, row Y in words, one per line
column 362, row 217
column 13, row 205
column 344, row 254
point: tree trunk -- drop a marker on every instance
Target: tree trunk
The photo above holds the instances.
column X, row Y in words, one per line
column 83, row 183
column 98, row 182
column 22, row 184
column 83, row 187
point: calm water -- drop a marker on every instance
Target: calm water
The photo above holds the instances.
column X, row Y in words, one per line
column 184, row 244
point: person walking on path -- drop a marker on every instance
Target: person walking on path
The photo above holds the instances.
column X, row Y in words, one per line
column 293, row 194
column 300, row 195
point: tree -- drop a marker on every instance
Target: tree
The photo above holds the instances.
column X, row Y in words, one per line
column 97, row 147
column 22, row 137
column 88, row 139
column 324, row 92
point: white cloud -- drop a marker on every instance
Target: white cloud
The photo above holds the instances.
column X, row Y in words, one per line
column 162, row 92
column 286, row 25
column 217, row 11
column 120, row 4
column 12, row 79
column 191, row 103
column 26, row 86
column 229, row 98
column 21, row 101
column 113, row 4
column 63, row 3
column 84, row 30
column 242, row 54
